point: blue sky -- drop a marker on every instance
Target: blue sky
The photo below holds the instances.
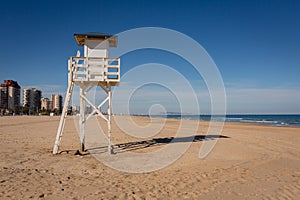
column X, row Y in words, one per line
column 255, row 44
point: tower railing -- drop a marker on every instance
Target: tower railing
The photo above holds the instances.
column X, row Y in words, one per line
column 95, row 69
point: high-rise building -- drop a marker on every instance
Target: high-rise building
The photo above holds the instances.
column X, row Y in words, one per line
column 45, row 104
column 9, row 94
column 32, row 98
column 56, row 102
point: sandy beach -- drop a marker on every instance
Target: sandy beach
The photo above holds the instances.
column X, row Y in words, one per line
column 248, row 162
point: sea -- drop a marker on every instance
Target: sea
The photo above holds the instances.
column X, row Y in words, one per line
column 273, row 120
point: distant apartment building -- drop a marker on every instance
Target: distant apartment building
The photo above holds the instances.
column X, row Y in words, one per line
column 9, row 94
column 56, row 100
column 45, row 104
column 32, row 98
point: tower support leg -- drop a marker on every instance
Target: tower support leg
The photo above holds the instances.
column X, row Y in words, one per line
column 71, row 69
column 82, row 118
column 63, row 118
column 110, row 147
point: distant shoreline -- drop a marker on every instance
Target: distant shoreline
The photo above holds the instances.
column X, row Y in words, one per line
column 276, row 120
column 284, row 120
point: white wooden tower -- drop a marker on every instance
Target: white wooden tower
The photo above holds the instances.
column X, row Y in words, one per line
column 94, row 69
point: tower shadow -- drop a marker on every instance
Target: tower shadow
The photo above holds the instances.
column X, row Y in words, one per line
column 131, row 146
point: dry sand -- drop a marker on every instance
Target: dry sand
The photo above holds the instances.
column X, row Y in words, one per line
column 249, row 162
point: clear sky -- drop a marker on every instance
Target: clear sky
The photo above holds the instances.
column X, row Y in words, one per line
column 255, row 44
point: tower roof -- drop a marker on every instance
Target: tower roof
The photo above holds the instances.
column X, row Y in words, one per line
column 81, row 37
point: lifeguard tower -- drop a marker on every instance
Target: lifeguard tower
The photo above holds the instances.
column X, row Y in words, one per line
column 94, row 69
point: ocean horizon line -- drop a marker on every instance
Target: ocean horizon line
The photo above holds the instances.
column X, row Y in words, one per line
column 267, row 119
